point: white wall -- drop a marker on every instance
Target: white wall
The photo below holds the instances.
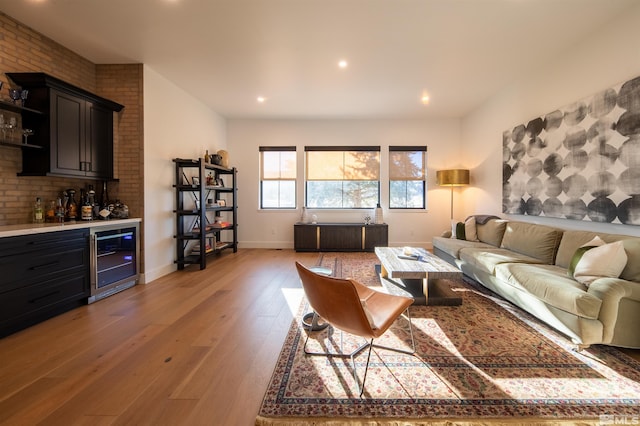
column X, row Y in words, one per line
column 610, row 56
column 274, row 229
column 176, row 125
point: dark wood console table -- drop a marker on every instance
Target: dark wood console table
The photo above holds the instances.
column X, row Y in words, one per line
column 339, row 236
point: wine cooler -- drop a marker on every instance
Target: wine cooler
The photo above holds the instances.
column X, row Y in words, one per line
column 115, row 263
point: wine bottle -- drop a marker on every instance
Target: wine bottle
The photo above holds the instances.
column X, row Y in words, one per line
column 72, row 206
column 105, row 212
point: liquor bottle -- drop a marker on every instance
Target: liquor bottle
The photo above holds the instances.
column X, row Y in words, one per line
column 50, row 212
column 60, row 211
column 95, row 207
column 86, row 211
column 72, row 206
column 38, row 211
column 207, row 157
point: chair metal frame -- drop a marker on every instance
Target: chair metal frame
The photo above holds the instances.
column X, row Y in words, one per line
column 370, row 332
column 367, row 344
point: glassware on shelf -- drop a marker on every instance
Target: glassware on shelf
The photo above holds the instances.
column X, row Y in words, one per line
column 14, row 94
column 26, row 133
column 11, row 126
column 23, row 96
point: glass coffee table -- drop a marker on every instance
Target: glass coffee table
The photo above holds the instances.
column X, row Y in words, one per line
column 422, row 275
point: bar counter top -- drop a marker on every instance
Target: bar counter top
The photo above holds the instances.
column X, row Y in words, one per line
column 39, row 228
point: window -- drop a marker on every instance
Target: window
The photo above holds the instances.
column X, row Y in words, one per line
column 407, row 177
column 342, row 177
column 278, row 177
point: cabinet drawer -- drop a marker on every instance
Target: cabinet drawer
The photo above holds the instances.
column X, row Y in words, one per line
column 34, row 300
column 23, row 269
column 53, row 241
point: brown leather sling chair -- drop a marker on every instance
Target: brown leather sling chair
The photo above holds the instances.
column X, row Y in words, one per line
column 356, row 309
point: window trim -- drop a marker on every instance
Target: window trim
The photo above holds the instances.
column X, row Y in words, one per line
column 262, row 149
column 409, row 148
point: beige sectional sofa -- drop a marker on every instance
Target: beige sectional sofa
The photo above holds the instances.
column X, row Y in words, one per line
column 527, row 264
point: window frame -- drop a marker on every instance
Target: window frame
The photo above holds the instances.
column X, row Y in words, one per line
column 263, row 149
column 399, row 178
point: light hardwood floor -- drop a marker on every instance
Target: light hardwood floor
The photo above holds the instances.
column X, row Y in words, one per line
column 192, row 348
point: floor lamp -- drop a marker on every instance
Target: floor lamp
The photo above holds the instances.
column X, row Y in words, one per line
column 452, row 177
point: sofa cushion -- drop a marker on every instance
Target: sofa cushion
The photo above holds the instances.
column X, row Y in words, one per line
column 571, row 240
column 452, row 246
column 538, row 241
column 492, row 231
column 552, row 285
column 487, row 258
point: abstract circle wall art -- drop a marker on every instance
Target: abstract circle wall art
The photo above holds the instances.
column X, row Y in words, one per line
column 580, row 162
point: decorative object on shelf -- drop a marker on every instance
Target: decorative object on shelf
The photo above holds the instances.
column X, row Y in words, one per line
column 314, row 218
column 216, row 159
column 452, row 178
column 222, row 203
column 304, row 217
column 378, row 215
column 224, row 158
column 367, row 220
column 207, row 157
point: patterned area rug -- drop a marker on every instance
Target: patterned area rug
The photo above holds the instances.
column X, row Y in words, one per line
column 482, row 362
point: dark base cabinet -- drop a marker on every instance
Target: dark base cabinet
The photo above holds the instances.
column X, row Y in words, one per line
column 42, row 275
column 339, row 236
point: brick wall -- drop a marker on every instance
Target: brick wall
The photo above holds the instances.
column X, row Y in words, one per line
column 24, row 50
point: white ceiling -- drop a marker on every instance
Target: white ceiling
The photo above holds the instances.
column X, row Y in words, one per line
column 229, row 52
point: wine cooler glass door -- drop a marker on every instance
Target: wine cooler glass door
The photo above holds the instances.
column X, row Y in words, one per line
column 115, row 259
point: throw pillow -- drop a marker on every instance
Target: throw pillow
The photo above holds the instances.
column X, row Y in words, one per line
column 606, row 260
column 458, row 230
column 470, row 231
column 595, row 242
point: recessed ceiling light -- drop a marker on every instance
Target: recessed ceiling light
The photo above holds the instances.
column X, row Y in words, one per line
column 261, row 99
column 343, row 64
column 425, row 98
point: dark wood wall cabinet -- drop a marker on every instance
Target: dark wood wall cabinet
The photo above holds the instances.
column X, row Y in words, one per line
column 75, row 129
column 339, row 236
column 42, row 275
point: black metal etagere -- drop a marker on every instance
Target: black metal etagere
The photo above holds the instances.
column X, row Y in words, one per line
column 206, row 210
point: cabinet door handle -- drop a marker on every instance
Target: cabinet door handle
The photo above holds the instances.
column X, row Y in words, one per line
column 46, row 265
column 36, row 299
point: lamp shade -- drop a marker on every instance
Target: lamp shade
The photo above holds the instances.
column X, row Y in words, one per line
column 452, row 177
